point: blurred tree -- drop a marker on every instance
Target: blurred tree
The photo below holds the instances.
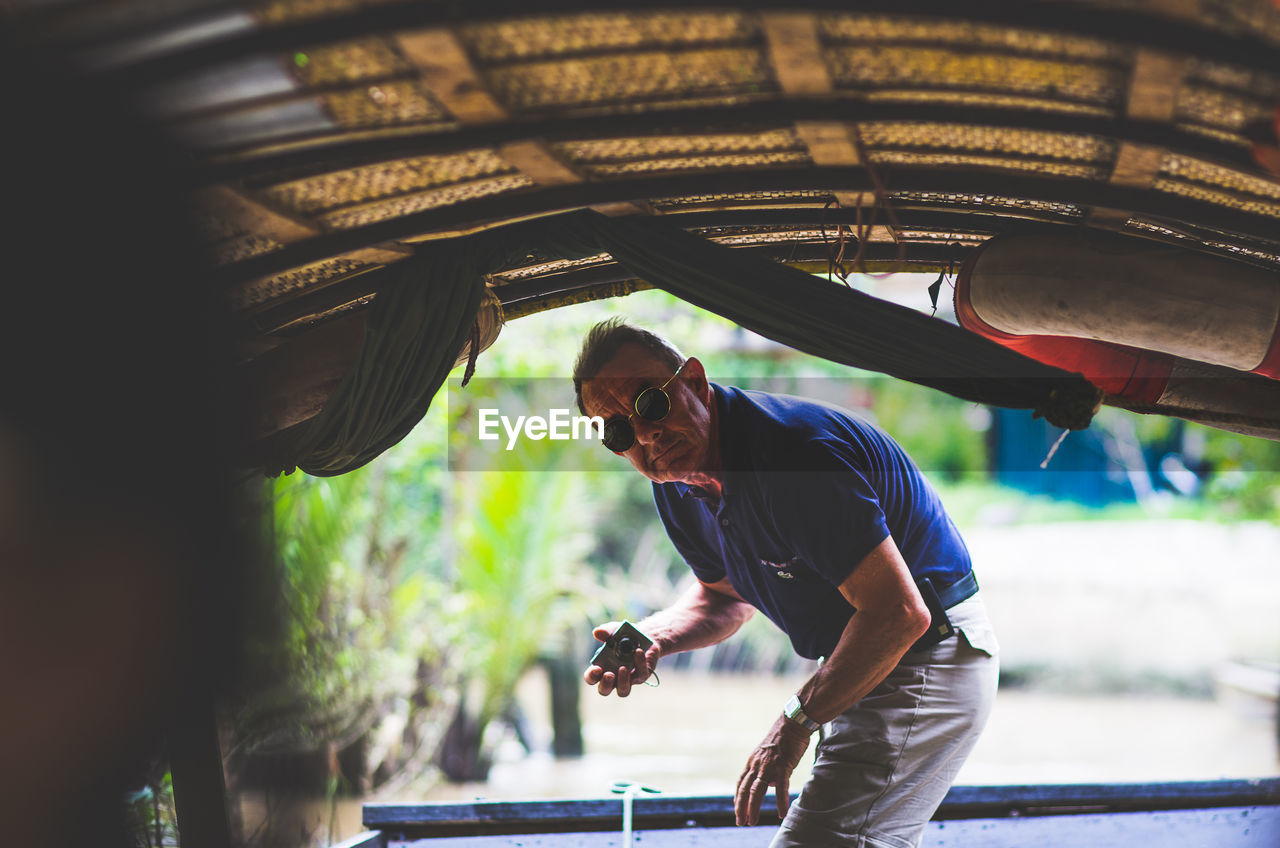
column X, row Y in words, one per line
column 346, row 690
column 519, row 583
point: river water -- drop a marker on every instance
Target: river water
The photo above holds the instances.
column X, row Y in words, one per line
column 1156, row 606
column 692, row 736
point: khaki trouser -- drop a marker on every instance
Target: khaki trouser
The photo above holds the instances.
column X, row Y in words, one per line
column 884, row 765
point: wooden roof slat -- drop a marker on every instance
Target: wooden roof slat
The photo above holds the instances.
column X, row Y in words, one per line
column 554, row 199
column 445, row 68
column 536, row 160
column 260, row 217
column 791, row 40
column 1137, row 165
column 830, row 142
column 796, row 53
column 256, row 215
column 276, row 165
column 1144, row 29
column 1154, row 84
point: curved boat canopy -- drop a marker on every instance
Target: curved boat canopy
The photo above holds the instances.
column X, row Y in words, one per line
column 329, row 144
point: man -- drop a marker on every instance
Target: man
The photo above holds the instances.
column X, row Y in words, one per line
column 823, row 523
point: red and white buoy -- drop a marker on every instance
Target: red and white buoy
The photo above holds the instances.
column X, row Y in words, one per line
column 1157, row 327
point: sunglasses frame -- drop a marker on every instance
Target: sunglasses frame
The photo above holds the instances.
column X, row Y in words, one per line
column 635, row 410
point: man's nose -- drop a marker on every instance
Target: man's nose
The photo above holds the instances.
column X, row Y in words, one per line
column 647, row 431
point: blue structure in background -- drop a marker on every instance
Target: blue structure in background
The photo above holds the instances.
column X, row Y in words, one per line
column 1082, row 470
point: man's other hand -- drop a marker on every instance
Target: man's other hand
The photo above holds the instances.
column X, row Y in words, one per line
column 770, row 764
column 620, row 680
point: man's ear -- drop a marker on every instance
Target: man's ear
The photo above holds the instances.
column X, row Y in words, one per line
column 696, row 377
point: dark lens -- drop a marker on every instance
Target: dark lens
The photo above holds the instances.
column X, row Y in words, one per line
column 626, row 647
column 619, row 435
column 653, row 404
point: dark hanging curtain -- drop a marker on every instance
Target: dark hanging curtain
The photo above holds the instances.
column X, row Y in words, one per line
column 424, row 313
column 420, row 319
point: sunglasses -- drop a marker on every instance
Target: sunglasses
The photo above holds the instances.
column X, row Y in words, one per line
column 651, row 404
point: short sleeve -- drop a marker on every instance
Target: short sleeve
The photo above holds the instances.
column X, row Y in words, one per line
column 684, row 523
column 824, row 507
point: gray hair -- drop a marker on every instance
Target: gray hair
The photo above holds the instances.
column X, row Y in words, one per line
column 602, row 344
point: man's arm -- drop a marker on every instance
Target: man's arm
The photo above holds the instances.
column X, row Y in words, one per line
column 890, row 616
column 705, row 614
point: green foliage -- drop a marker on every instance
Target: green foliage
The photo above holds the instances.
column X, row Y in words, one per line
column 151, row 816
column 315, row 522
column 519, row 579
column 1243, row 472
column 359, row 590
column 941, row 433
column 390, row 600
column 1246, row 479
column 1246, row 495
column 310, row 685
column 631, row 552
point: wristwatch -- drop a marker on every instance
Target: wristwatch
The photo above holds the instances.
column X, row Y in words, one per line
column 794, row 711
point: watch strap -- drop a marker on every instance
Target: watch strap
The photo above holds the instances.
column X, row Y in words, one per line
column 794, row 711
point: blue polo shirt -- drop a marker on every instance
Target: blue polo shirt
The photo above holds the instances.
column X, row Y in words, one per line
column 809, row 491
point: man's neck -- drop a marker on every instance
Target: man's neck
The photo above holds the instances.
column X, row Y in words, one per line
column 710, row 478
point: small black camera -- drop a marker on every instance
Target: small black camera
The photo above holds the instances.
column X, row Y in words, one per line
column 620, row 649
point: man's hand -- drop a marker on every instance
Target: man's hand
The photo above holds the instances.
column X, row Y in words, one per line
column 623, row 678
column 771, row 764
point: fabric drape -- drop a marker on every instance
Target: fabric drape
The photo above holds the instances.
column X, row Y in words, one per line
column 421, row 318
column 424, row 313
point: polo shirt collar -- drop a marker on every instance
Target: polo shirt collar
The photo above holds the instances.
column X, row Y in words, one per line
column 731, row 458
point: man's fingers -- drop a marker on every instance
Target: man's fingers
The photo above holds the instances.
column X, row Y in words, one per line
column 784, row 795
column 742, row 793
column 651, row 657
column 756, row 799
column 607, row 682
column 749, row 796
column 642, row 668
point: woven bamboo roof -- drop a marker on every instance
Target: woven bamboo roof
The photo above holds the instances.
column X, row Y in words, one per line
column 330, row 137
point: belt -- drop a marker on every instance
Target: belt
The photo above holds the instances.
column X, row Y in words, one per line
column 940, row 626
column 963, row 589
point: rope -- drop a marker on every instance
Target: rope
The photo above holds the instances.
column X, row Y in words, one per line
column 1070, row 410
column 629, row 791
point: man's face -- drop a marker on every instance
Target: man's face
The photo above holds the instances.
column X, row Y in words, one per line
column 676, row 448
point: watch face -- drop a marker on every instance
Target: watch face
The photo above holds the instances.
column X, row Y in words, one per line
column 794, row 711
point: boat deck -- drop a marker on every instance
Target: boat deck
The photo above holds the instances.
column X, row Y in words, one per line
column 1221, row 814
